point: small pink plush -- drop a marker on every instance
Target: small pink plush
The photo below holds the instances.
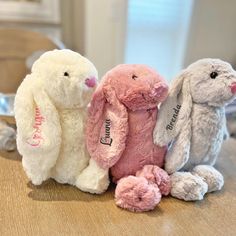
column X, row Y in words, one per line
column 120, row 125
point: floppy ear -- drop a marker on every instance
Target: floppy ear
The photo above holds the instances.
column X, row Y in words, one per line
column 174, row 111
column 37, row 120
column 107, row 127
column 178, row 154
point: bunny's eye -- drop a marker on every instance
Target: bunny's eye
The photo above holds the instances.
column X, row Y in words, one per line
column 213, row 75
column 66, row 74
column 134, row 77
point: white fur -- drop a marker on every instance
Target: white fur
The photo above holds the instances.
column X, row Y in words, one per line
column 198, row 130
column 50, row 110
column 93, row 179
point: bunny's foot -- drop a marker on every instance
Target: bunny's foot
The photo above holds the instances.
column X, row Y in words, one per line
column 158, row 176
column 137, row 194
column 38, row 179
column 210, row 175
column 93, row 179
column 187, row 186
column 36, row 174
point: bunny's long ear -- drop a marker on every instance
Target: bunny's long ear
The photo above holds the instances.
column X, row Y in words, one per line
column 38, row 125
column 178, row 154
column 107, row 127
column 174, row 112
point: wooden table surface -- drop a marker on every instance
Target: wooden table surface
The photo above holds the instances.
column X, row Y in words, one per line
column 54, row 209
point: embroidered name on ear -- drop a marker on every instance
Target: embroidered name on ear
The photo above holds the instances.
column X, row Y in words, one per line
column 107, row 140
column 37, row 134
column 176, row 109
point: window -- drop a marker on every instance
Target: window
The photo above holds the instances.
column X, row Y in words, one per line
column 156, row 34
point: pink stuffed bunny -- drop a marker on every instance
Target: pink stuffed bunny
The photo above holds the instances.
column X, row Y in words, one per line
column 120, row 124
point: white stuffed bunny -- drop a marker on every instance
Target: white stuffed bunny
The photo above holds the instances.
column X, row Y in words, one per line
column 193, row 117
column 50, row 110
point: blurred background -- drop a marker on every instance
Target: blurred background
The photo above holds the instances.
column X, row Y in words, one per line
column 165, row 34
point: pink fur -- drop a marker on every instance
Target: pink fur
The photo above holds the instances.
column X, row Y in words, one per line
column 119, row 131
column 140, row 150
column 143, row 191
column 136, row 194
column 100, row 110
column 155, row 174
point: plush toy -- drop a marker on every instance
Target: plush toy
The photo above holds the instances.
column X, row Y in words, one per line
column 50, row 110
column 121, row 120
column 193, row 118
column 7, row 136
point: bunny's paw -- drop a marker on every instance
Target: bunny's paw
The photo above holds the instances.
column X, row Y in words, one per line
column 136, row 194
column 211, row 176
column 187, row 186
column 36, row 173
column 158, row 176
column 37, row 178
column 93, row 179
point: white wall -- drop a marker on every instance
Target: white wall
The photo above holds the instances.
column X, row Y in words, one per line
column 105, row 25
column 73, row 22
column 157, row 33
column 212, row 31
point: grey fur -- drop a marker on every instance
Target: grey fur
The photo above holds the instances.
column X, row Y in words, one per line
column 7, row 137
column 198, row 129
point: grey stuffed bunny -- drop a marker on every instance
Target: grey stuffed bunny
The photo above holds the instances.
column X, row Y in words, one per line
column 193, row 118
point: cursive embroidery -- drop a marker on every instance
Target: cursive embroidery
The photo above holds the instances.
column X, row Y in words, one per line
column 107, row 140
column 170, row 126
column 37, row 133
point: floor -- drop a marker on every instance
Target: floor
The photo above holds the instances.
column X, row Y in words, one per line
column 54, row 209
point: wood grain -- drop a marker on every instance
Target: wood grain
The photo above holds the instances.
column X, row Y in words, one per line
column 15, row 46
column 54, row 209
